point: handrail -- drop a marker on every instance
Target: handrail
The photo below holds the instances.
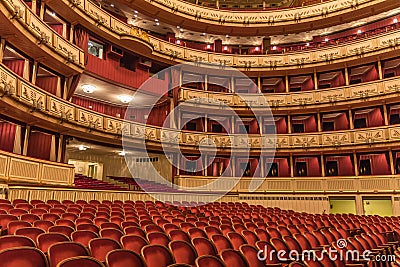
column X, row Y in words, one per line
column 44, row 33
column 88, row 12
column 339, row 184
column 18, row 168
column 38, row 100
column 314, row 98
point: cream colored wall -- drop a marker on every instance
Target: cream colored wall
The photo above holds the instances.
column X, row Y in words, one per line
column 82, row 167
column 381, row 207
column 115, row 165
column 343, row 206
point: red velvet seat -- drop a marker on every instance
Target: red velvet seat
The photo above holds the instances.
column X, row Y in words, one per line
column 22, row 257
column 250, row 253
column 233, row 258
column 203, row 246
column 88, row 227
column 99, row 247
column 45, row 240
column 112, row 233
column 221, row 243
column 44, row 225
column 81, row 262
column 183, row 252
column 179, row 235
column 124, row 258
column 236, row 240
column 83, row 237
column 157, row 255
column 157, row 238
column 134, row 243
column 14, row 241
column 64, row 250
column 14, row 225
column 31, row 232
column 63, row 229
column 207, row 261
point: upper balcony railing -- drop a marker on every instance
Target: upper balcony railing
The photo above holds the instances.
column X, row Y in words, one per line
column 21, row 169
column 265, row 22
column 42, row 34
column 55, row 113
column 340, row 96
column 99, row 21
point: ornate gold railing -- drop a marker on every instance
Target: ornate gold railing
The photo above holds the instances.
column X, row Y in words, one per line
column 317, row 98
column 373, row 183
column 17, row 168
column 18, row 91
column 43, row 33
column 87, row 12
column 261, row 18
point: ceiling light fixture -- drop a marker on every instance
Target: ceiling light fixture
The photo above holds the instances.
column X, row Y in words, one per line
column 395, row 20
column 307, row 44
column 274, row 47
column 178, row 41
column 257, row 48
column 359, row 31
column 326, row 40
column 125, row 98
column 88, row 88
column 122, row 153
column 208, row 46
column 225, row 48
column 82, row 148
column 135, row 11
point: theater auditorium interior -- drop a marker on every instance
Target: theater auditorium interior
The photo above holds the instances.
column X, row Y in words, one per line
column 204, row 133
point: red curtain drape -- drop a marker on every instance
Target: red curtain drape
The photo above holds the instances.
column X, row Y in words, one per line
column 15, row 65
column 7, row 136
column 379, row 163
column 281, row 126
column 57, row 28
column 283, row 166
column 313, row 166
column 344, row 163
column 158, row 114
column 81, row 39
column 49, row 84
column 374, row 117
column 39, row 145
column 310, row 124
column 111, row 110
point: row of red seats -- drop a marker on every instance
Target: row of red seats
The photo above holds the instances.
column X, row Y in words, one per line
column 161, row 224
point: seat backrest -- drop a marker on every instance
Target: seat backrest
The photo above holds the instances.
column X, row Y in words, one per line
column 134, row 243
column 133, row 230
column 31, row 232
column 158, row 238
column 64, row 250
column 250, row 236
column 5, row 219
column 88, row 226
column 196, row 232
column 63, row 229
column 22, row 256
column 81, row 261
column 250, row 253
column 99, row 247
column 208, row 260
column 203, row 246
column 124, row 258
column 233, row 258
column 45, row 240
column 112, row 233
column 157, row 255
column 83, row 237
column 221, row 243
column 12, row 226
column 183, row 252
column 14, row 241
column 266, row 248
column 179, row 235
column 236, row 240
